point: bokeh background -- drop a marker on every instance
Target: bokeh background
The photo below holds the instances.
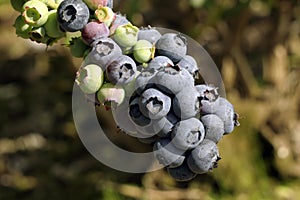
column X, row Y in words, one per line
column 256, row 46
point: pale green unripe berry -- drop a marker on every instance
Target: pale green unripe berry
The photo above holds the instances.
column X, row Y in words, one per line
column 126, row 35
column 35, row 13
column 110, row 93
column 143, row 51
column 38, row 34
column 52, row 26
column 90, row 78
column 22, row 29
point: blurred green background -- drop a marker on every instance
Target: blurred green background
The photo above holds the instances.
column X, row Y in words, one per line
column 255, row 44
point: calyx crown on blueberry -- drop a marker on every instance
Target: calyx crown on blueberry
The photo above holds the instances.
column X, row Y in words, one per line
column 73, row 15
column 146, row 76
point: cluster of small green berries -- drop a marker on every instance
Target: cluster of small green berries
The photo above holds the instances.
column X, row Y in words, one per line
column 38, row 20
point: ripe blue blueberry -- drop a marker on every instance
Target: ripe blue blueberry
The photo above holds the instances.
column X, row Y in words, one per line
column 207, row 92
column 73, row 15
column 121, row 71
column 172, row 45
column 167, row 154
column 170, row 80
column 165, row 132
column 122, row 118
column 172, row 117
column 209, row 107
column 151, row 129
column 226, row 113
column 145, row 80
column 214, row 127
column 189, row 79
column 159, row 62
column 150, row 34
column 187, row 134
column 190, row 64
column 104, row 51
column 154, row 104
column 204, row 157
column 209, row 98
column 136, row 115
column 181, row 173
column 171, row 121
column 186, row 103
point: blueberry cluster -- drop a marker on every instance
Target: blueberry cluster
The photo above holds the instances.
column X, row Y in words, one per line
column 146, row 78
column 183, row 121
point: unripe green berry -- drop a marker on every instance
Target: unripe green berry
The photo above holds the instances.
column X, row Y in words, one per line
column 110, row 93
column 52, row 26
column 143, row 51
column 35, row 13
column 105, row 15
column 22, row 29
column 89, row 78
column 38, row 34
column 126, row 35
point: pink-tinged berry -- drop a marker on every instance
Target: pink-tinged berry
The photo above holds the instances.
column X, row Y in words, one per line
column 35, row 13
column 93, row 31
column 110, row 93
column 105, row 15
